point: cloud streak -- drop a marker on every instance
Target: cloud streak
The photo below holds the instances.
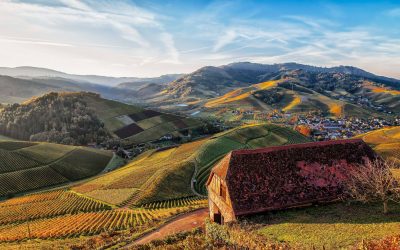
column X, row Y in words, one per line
column 124, row 38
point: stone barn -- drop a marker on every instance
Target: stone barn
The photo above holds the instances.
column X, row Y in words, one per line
column 247, row 182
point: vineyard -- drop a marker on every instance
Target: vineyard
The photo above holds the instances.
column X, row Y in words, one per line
column 47, row 205
column 147, row 191
column 146, row 179
column 166, row 174
column 246, row 137
column 181, row 202
column 26, row 166
column 64, row 213
column 77, row 225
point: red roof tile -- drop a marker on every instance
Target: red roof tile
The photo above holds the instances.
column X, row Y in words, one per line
column 284, row 176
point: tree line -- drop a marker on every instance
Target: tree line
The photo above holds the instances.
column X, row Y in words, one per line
column 55, row 117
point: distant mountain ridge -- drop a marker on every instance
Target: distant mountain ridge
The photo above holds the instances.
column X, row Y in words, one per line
column 16, row 90
column 35, row 72
column 213, row 81
column 308, row 68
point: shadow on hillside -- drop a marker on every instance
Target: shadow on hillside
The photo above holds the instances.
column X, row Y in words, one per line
column 354, row 213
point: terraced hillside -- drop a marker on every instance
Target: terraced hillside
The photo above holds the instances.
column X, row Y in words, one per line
column 27, row 166
column 167, row 174
column 385, row 142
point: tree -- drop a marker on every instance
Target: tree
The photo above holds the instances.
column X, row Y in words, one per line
column 374, row 182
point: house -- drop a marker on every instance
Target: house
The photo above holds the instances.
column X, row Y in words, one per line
column 246, row 182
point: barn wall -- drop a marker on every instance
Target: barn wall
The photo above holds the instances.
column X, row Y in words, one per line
column 216, row 203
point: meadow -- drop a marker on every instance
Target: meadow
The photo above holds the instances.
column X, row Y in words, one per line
column 329, row 226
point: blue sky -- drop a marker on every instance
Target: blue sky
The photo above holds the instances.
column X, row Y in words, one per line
column 150, row 38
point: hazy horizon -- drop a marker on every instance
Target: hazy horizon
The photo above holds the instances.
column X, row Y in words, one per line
column 153, row 38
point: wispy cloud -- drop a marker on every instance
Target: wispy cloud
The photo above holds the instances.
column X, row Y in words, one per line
column 107, row 24
column 35, row 42
column 123, row 37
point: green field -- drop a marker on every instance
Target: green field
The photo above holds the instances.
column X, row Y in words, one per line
column 26, row 166
column 333, row 226
column 117, row 115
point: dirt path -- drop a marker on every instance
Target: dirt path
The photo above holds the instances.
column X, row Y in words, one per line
column 183, row 223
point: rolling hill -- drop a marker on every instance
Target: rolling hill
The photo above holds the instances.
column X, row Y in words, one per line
column 213, row 81
column 293, row 88
column 145, row 193
column 82, row 118
column 17, row 90
column 166, row 174
column 385, row 142
column 27, row 72
column 137, row 83
column 22, row 83
column 28, row 166
column 284, row 96
column 159, row 184
column 342, row 90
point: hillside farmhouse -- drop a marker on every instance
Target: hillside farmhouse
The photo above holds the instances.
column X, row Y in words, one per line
column 253, row 181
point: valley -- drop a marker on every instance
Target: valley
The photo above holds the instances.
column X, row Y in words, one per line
column 147, row 191
column 82, row 169
column 199, row 125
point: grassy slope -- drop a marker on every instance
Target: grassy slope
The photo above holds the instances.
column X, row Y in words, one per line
column 167, row 174
column 293, row 101
column 384, row 141
column 107, row 110
column 338, row 225
column 332, row 226
column 26, row 166
column 154, row 128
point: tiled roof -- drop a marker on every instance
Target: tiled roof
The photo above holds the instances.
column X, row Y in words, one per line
column 284, row 176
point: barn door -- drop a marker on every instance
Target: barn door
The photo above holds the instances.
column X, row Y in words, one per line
column 218, row 218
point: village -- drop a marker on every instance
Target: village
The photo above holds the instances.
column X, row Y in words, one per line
column 317, row 125
column 325, row 128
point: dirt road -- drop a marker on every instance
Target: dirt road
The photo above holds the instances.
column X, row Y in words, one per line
column 183, row 223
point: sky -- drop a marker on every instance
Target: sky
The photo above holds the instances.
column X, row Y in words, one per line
column 151, row 38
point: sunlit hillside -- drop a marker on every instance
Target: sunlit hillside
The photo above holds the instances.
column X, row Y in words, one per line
column 385, row 141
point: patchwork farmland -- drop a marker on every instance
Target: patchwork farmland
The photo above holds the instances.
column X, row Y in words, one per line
column 27, row 166
column 134, row 124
